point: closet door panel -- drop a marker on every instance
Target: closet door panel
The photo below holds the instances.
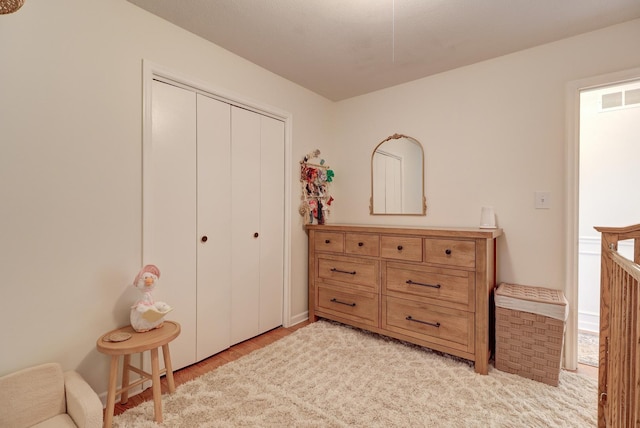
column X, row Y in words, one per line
column 245, row 203
column 271, row 223
column 169, row 189
column 213, row 220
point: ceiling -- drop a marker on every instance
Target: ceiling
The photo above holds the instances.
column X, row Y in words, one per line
column 344, row 48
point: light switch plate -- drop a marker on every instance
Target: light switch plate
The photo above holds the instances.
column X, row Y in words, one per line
column 543, row 200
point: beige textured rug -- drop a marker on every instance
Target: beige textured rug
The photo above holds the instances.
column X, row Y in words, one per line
column 329, row 375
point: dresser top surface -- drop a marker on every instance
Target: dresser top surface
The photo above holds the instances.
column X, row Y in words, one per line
column 467, row 232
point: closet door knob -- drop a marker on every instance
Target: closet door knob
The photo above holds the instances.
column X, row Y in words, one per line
column 255, row 235
column 204, row 238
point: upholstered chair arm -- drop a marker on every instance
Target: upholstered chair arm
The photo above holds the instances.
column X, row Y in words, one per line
column 83, row 404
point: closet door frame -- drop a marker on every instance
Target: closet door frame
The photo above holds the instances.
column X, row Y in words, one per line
column 151, row 71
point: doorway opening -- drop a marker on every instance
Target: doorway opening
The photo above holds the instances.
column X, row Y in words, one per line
column 609, row 147
column 572, row 190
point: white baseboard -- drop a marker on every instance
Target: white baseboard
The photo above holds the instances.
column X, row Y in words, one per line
column 588, row 322
column 297, row 319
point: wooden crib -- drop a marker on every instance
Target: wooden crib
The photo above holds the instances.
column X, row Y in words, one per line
column 619, row 361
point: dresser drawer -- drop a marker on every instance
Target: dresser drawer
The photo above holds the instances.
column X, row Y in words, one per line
column 443, row 287
column 353, row 272
column 356, row 306
column 401, row 248
column 444, row 326
column 450, row 252
column 329, row 241
column 362, row 244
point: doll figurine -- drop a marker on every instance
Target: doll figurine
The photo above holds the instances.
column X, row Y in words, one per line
column 147, row 314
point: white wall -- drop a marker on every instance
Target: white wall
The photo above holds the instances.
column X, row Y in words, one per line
column 70, row 168
column 493, row 134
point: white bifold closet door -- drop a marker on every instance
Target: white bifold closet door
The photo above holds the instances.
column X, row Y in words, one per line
column 187, row 197
column 213, row 237
column 257, row 170
column 200, row 217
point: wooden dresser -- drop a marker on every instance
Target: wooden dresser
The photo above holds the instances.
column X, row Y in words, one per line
column 428, row 286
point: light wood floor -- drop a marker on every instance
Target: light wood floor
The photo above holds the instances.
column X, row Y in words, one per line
column 188, row 373
column 588, row 370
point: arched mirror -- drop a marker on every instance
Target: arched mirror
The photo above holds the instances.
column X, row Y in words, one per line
column 397, row 177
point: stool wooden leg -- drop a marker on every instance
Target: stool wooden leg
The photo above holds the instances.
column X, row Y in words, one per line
column 124, row 396
column 155, row 380
column 111, row 394
column 168, row 367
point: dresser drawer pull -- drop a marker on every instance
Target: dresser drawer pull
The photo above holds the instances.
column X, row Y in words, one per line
column 424, row 285
column 327, row 241
column 360, row 244
column 334, row 300
column 399, row 247
column 436, row 324
column 343, row 271
column 447, row 252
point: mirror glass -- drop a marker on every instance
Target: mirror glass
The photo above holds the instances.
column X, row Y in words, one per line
column 397, row 177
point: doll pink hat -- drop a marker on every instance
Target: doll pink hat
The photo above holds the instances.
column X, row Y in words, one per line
column 152, row 269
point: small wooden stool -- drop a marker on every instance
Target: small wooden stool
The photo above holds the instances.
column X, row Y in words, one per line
column 126, row 341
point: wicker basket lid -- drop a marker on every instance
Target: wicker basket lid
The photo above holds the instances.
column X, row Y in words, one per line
column 533, row 294
column 537, row 300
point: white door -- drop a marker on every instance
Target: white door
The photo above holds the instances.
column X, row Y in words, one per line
column 187, row 215
column 213, row 277
column 271, row 223
column 169, row 226
column 393, row 186
column 387, row 183
column 379, row 182
column 257, row 143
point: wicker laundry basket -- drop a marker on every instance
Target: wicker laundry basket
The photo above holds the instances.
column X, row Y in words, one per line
column 530, row 325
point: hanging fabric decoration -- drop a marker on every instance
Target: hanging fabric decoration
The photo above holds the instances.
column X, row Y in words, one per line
column 315, row 179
